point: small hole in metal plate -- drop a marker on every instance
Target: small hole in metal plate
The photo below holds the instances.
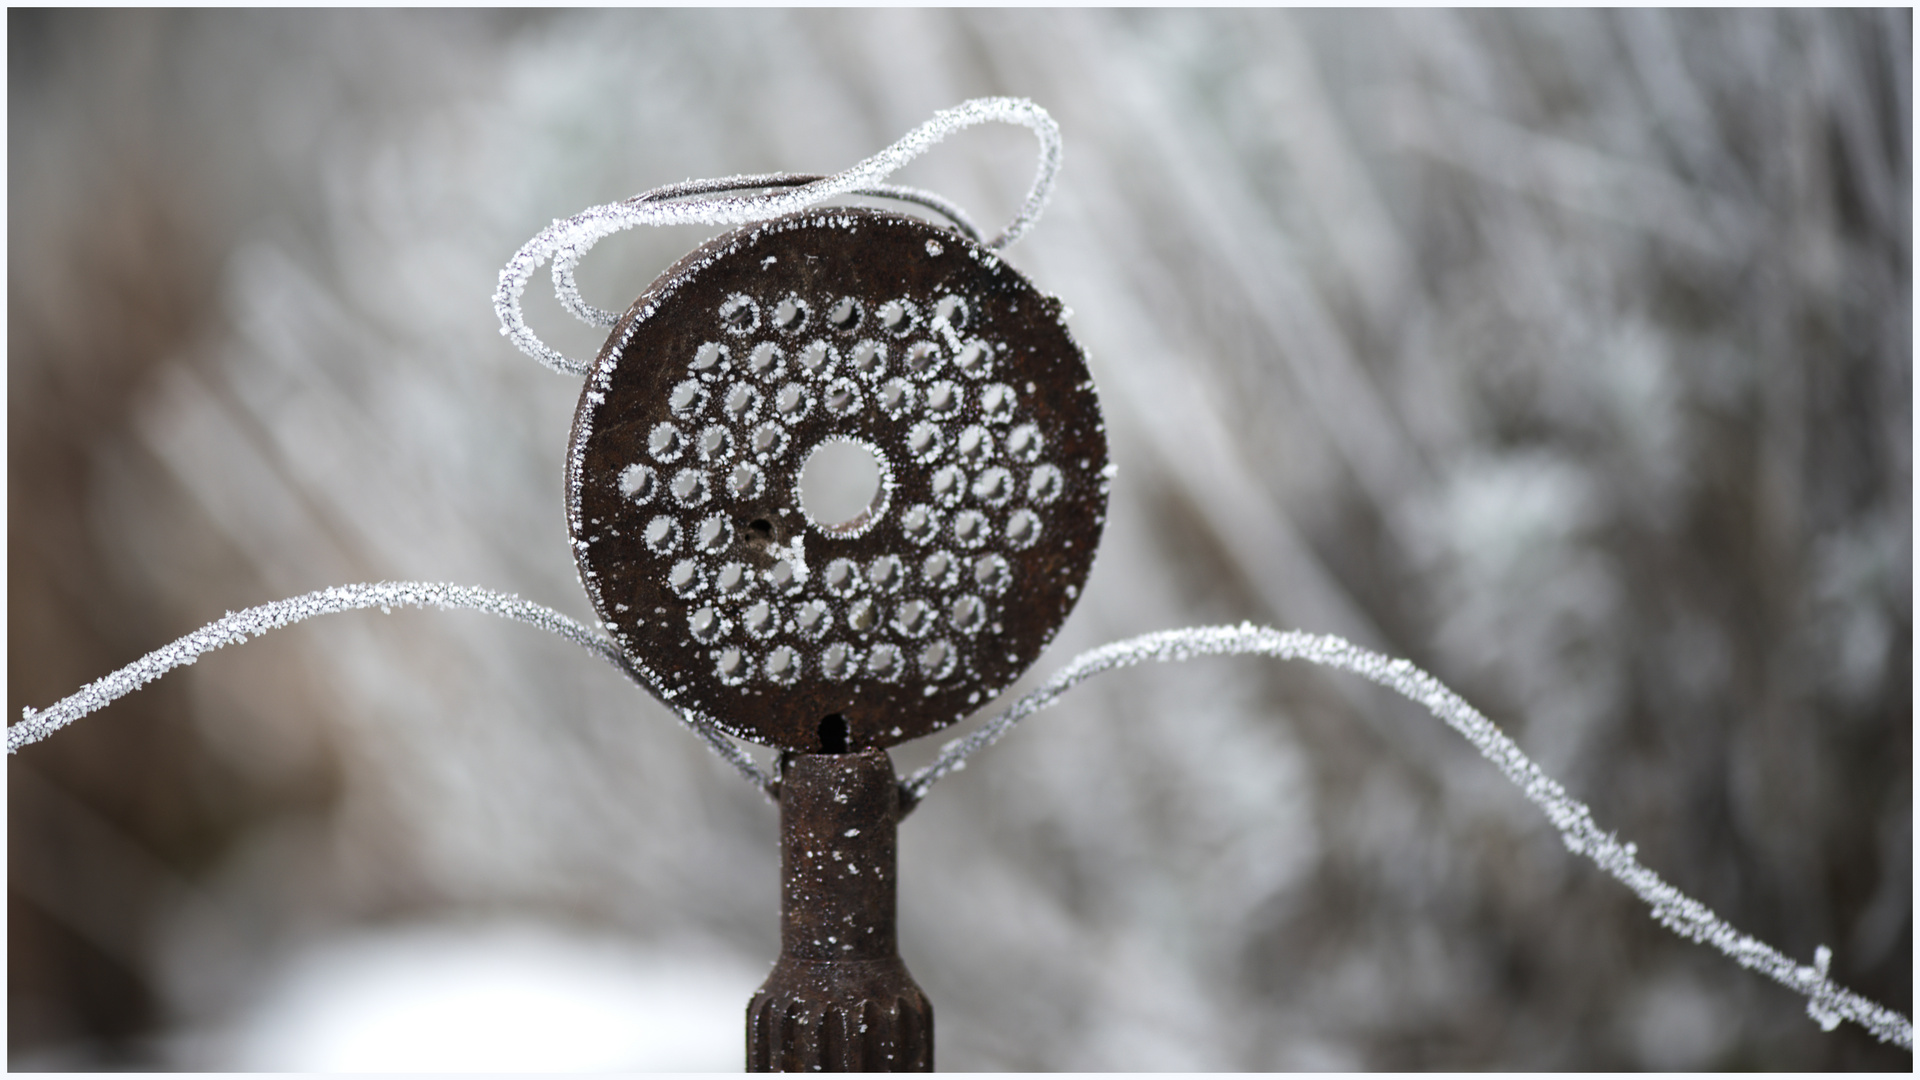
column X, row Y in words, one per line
column 833, row 734
column 790, row 315
column 845, row 315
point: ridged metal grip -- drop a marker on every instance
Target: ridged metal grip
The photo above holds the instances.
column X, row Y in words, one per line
column 840, row 998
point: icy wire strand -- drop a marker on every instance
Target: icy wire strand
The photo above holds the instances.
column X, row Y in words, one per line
column 567, row 240
column 1827, row 1002
column 566, row 264
column 238, row 626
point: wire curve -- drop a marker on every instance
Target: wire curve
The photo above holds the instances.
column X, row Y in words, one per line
column 237, row 627
column 566, row 263
column 1828, row 1003
column 702, row 202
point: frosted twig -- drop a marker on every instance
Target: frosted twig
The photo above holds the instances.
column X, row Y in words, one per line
column 238, row 626
column 1827, row 1002
column 567, row 241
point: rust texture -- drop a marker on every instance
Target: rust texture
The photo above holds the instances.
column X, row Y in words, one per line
column 833, row 640
column 842, row 324
column 839, row 998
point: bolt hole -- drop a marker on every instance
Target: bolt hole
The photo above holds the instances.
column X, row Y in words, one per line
column 781, row 576
column 739, row 314
column 845, row 315
column 897, row 317
column 769, row 440
column 790, row 314
column 923, row 357
column 708, row 356
column 975, row 359
column 713, row 534
column 833, row 734
column 953, row 310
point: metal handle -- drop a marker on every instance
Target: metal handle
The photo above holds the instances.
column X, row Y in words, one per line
column 840, row 998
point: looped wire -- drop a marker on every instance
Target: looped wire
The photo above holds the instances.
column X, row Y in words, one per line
column 566, row 262
column 704, row 202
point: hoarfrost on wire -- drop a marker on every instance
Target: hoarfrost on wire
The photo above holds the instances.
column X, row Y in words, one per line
column 238, row 626
column 1828, row 1003
column 568, row 240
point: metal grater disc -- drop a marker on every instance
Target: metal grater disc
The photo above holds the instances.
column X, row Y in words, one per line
column 844, row 325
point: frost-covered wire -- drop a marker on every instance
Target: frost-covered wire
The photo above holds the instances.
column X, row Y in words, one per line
column 239, row 626
column 566, row 263
column 567, row 241
column 1827, row 1002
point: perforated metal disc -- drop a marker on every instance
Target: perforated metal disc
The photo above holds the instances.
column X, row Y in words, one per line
column 925, row 349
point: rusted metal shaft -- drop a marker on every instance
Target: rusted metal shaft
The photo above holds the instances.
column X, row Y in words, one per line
column 840, row 998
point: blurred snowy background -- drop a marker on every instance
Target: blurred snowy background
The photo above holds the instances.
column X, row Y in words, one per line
column 1568, row 355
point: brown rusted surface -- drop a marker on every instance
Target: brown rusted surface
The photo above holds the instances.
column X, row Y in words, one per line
column 839, row 999
column 684, row 473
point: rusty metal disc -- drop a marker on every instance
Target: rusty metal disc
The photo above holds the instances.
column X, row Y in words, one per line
column 844, row 325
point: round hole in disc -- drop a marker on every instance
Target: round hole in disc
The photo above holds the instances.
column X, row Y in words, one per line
column 839, row 483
